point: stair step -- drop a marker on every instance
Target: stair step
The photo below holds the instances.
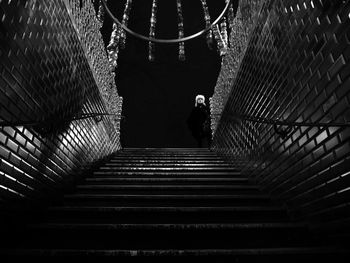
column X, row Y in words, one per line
column 277, row 254
column 177, row 187
column 236, row 226
column 177, row 197
column 164, row 236
column 168, row 154
column 168, row 179
column 167, row 209
column 166, row 200
column 167, row 161
column 169, row 189
column 206, row 158
column 169, row 215
column 165, row 158
column 161, row 169
column 167, row 149
column 168, row 165
column 160, row 181
column 160, row 151
column 168, row 174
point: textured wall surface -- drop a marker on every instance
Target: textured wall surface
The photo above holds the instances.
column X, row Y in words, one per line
column 240, row 30
column 46, row 79
column 296, row 68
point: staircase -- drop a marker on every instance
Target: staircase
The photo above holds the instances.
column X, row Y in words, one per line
column 170, row 203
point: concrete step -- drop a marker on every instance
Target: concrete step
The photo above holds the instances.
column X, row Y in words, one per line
column 169, row 189
column 166, row 158
column 165, row 200
column 169, row 168
column 170, row 149
column 164, row 181
column 164, row 162
column 146, row 164
column 261, row 255
column 166, row 215
column 164, row 236
column 169, row 173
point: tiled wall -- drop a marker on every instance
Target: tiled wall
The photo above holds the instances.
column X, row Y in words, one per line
column 296, row 68
column 46, row 80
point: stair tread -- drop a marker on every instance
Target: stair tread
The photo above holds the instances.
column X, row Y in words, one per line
column 202, row 187
column 163, row 157
column 171, row 179
column 159, row 208
column 173, row 173
column 165, row 149
column 178, row 252
column 160, row 154
column 168, row 160
column 146, row 165
column 166, row 196
column 170, row 226
column 185, row 168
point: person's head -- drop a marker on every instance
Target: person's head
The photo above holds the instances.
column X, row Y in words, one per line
column 200, row 99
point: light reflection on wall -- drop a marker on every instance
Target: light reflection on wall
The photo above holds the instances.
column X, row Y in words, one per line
column 295, row 69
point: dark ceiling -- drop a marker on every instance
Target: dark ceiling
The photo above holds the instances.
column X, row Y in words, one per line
column 158, row 96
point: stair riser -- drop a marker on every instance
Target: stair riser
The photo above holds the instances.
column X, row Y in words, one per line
column 166, row 162
column 160, row 153
column 166, row 217
column 112, row 182
column 197, row 171
column 168, row 191
column 140, row 179
column 167, row 150
column 212, row 180
column 174, row 256
column 165, row 202
column 172, row 174
column 168, row 166
column 165, row 158
column 186, row 158
column 158, row 238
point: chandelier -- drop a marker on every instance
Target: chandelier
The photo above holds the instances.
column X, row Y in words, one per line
column 215, row 31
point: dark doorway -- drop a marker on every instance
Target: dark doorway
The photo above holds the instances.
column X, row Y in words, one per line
column 158, row 96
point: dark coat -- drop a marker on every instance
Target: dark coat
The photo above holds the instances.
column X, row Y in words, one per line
column 198, row 120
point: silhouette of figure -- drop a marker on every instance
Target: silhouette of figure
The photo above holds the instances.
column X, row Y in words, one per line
column 199, row 121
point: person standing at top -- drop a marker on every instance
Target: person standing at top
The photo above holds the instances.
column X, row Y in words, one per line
column 199, row 121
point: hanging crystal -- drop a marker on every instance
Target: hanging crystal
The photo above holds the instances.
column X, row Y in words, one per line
column 224, row 34
column 182, row 56
column 101, row 13
column 113, row 46
column 219, row 40
column 230, row 15
column 87, row 26
column 207, row 23
column 125, row 22
column 151, row 45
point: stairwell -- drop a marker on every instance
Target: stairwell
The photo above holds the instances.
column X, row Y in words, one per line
column 169, row 203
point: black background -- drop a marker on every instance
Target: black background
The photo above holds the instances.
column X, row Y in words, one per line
column 158, row 96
